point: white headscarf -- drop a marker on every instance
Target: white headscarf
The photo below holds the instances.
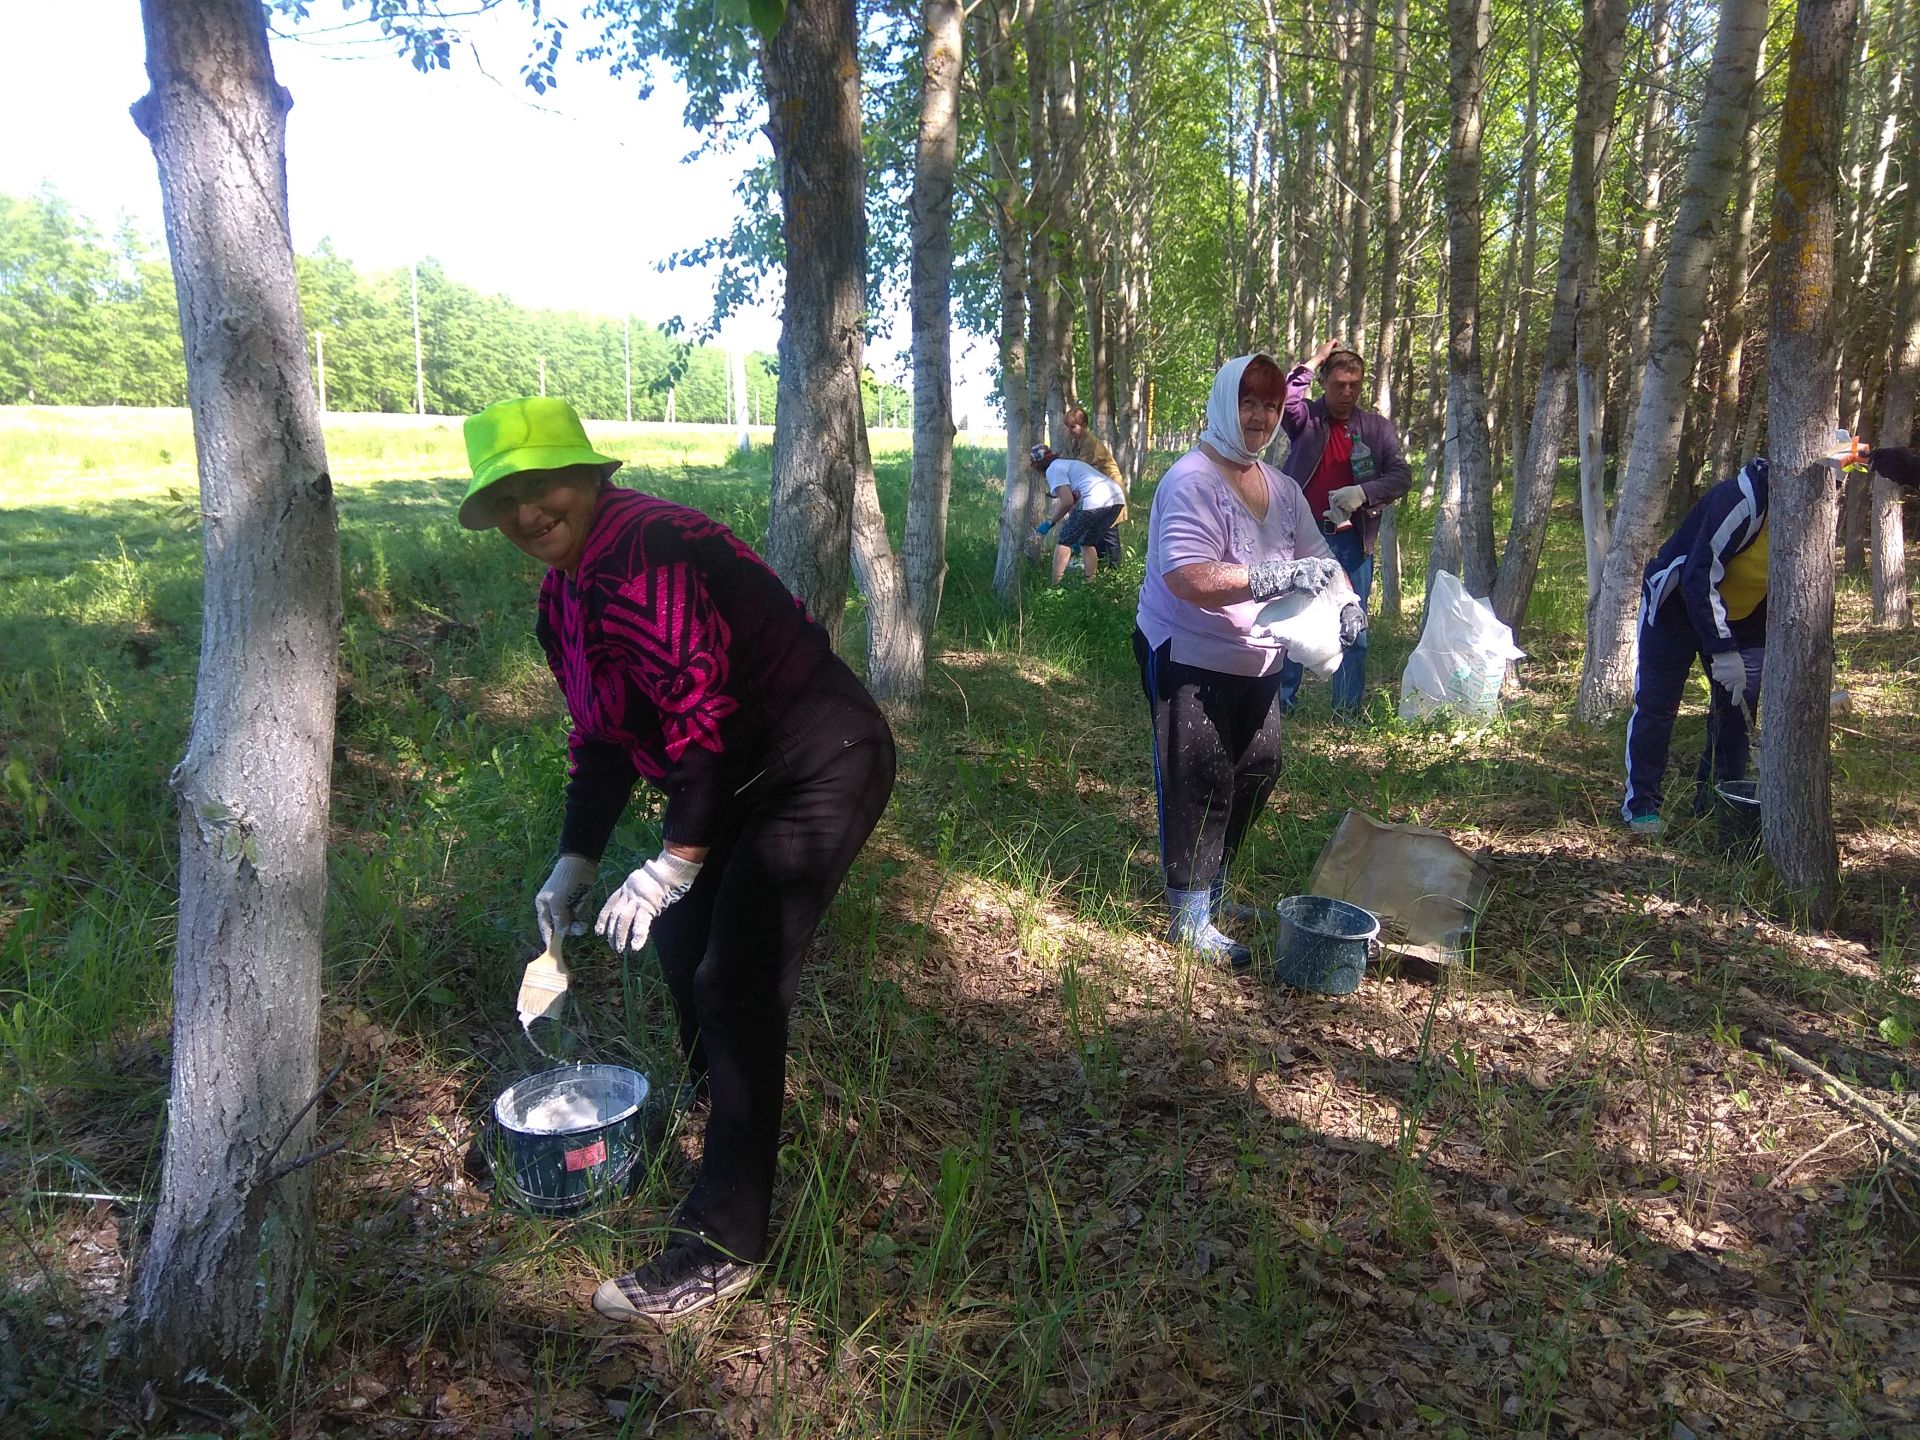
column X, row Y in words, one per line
column 1223, row 431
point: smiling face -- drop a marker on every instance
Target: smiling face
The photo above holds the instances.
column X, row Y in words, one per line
column 1262, row 392
column 547, row 513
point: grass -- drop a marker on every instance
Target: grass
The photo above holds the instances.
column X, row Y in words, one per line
column 1041, row 1175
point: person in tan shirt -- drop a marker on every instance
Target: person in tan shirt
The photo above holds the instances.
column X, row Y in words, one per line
column 1083, row 444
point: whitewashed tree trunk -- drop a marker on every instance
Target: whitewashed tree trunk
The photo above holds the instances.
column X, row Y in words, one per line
column 1891, row 607
column 1467, row 507
column 1796, row 802
column 812, row 72
column 1591, row 397
column 925, row 542
column 1602, row 40
column 1606, row 681
column 217, row 1284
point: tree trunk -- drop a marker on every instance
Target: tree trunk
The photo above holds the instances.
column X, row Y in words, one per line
column 1796, row 802
column 903, row 596
column 1891, row 610
column 1469, row 488
column 218, row 1282
column 1606, row 681
column 1723, row 455
column 1602, row 40
column 995, row 49
column 1529, row 221
column 1653, row 149
column 812, row 72
column 1360, row 241
column 1387, row 542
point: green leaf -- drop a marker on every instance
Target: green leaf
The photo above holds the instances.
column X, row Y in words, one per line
column 1896, row 1031
column 767, row 15
column 440, row 995
column 1668, row 1185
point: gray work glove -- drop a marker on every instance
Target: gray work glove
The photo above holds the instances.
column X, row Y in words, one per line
column 627, row 918
column 557, row 905
column 1270, row 579
column 1729, row 672
column 1343, row 502
column 1353, row 624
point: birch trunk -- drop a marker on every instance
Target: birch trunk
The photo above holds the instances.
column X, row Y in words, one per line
column 1360, row 239
column 1468, row 506
column 1796, row 802
column 1529, row 210
column 1387, row 542
column 812, row 72
column 217, row 1285
column 1891, row 609
column 1602, row 41
column 1653, row 148
column 897, row 646
column 1723, row 454
column 1606, row 681
column 1009, row 233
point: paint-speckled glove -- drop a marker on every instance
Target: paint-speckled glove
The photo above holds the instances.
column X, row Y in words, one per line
column 1353, row 624
column 1270, row 579
column 1729, row 672
column 557, row 906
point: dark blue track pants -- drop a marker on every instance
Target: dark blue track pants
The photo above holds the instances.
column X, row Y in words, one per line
column 1668, row 647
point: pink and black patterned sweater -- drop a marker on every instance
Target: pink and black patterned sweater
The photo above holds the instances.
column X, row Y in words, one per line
column 676, row 649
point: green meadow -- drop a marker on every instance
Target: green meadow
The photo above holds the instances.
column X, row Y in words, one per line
column 1042, row 1175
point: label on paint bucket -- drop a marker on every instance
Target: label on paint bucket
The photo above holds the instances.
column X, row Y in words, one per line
column 586, row 1155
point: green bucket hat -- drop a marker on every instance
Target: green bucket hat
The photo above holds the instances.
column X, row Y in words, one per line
column 532, row 433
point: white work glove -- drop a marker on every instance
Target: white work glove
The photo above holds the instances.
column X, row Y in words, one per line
column 1343, row 502
column 557, row 905
column 1729, row 672
column 627, row 918
column 1270, row 579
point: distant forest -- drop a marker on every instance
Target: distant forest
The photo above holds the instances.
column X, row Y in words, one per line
column 88, row 319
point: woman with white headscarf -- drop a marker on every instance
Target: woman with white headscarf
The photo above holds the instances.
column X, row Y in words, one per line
column 1227, row 533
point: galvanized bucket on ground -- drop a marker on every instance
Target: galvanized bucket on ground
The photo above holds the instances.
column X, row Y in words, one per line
column 1737, row 803
column 1324, row 944
column 567, row 1137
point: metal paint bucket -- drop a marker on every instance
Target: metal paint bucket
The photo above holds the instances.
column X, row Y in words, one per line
column 569, row 1136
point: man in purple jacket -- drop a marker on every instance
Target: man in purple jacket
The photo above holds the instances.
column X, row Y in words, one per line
column 1348, row 462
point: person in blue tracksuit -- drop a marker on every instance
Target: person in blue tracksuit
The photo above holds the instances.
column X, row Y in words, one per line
column 1704, row 595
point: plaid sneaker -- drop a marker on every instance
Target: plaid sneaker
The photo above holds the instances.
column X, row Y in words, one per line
column 681, row 1279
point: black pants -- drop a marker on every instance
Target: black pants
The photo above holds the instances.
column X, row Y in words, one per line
column 1216, row 755
column 732, row 947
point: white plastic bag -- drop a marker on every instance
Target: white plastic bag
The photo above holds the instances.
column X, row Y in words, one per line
column 1309, row 625
column 1462, row 658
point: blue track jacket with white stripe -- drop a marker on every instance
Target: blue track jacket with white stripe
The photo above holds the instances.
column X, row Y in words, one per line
column 1693, row 562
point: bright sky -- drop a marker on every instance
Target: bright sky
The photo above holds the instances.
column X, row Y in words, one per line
column 568, row 201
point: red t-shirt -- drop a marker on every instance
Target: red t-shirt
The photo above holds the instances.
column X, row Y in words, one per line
column 1334, row 472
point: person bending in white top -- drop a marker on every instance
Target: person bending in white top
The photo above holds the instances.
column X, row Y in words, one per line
column 1093, row 501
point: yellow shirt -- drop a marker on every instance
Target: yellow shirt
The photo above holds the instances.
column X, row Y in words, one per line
column 1743, row 585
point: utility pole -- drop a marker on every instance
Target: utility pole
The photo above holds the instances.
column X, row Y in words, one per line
column 419, row 368
column 320, row 366
column 626, row 347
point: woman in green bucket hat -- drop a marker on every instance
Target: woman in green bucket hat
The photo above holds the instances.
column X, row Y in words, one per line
column 686, row 662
